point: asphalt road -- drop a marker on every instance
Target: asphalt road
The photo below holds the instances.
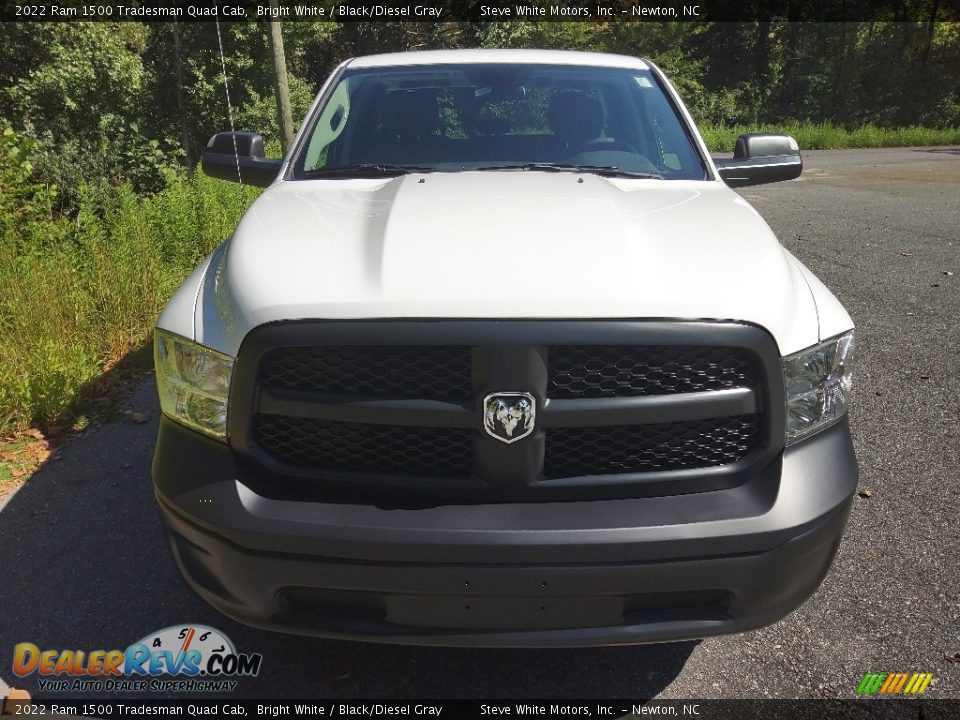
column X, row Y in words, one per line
column 85, row 565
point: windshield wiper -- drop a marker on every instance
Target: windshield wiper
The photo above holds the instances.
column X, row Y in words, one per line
column 603, row 170
column 608, row 171
column 364, row 170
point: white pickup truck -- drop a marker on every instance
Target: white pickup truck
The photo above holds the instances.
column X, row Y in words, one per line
column 499, row 358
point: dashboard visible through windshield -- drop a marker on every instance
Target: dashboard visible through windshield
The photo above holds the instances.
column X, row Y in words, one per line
column 498, row 116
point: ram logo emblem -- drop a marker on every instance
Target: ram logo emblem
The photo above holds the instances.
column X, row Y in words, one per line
column 509, row 416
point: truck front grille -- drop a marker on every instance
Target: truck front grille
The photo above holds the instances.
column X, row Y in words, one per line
column 635, row 408
column 360, row 447
column 440, row 372
column 585, row 371
column 649, row 448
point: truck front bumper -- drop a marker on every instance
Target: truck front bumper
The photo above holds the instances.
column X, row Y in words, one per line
column 526, row 574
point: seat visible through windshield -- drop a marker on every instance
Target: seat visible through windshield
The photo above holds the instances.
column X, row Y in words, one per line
column 467, row 117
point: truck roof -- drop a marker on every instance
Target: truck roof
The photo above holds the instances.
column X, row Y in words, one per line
column 545, row 57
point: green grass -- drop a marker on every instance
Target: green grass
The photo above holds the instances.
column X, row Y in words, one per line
column 72, row 309
column 825, row 136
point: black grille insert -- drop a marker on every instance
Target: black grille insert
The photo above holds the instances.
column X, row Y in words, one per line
column 599, row 371
column 573, row 452
column 423, row 371
column 359, row 447
column 331, row 418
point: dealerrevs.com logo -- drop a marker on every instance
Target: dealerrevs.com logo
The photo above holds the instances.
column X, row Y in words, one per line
column 184, row 658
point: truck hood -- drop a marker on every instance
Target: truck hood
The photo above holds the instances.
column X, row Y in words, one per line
column 503, row 245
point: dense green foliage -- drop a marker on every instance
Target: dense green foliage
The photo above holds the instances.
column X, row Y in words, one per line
column 102, row 124
column 114, row 102
column 827, row 136
column 77, row 295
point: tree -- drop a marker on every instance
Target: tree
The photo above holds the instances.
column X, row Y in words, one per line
column 280, row 86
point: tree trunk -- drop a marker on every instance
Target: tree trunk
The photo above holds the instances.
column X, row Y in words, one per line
column 761, row 68
column 791, row 75
column 281, row 89
column 931, row 26
column 181, row 108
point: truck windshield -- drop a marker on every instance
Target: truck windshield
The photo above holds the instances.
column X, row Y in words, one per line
column 501, row 116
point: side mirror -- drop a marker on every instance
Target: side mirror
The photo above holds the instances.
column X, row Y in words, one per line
column 221, row 158
column 761, row 158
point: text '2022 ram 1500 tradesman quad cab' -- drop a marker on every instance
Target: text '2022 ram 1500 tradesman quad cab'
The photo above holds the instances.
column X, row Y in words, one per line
column 499, row 358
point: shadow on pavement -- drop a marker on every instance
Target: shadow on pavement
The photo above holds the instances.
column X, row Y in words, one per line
column 945, row 150
column 86, row 566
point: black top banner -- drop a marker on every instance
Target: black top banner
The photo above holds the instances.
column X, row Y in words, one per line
column 480, row 11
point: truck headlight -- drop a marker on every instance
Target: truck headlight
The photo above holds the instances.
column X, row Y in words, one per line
column 194, row 382
column 818, row 382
